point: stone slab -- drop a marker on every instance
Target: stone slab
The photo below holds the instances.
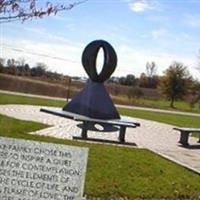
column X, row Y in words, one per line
column 32, row 170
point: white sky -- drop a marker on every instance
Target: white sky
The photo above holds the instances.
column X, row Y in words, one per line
column 139, row 30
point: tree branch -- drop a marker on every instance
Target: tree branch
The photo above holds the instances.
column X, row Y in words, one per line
column 12, row 10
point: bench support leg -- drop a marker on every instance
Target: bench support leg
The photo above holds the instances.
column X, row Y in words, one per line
column 184, row 137
column 84, row 130
column 122, row 133
column 199, row 139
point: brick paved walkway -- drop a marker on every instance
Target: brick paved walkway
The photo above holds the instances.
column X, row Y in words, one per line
column 157, row 137
column 117, row 105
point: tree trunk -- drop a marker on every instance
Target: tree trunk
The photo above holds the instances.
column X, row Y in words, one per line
column 172, row 102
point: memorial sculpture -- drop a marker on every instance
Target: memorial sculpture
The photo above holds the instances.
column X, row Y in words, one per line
column 93, row 104
column 93, row 101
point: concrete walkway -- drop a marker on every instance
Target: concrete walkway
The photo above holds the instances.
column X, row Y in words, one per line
column 157, row 137
column 120, row 106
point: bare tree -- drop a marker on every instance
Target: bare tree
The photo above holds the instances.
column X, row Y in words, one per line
column 14, row 10
column 151, row 69
column 21, row 61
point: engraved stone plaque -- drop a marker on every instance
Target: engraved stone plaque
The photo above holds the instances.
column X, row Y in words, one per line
column 41, row 171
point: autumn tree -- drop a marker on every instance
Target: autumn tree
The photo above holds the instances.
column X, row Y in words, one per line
column 198, row 64
column 14, row 10
column 129, row 80
column 175, row 82
column 39, row 70
column 23, row 69
column 11, row 66
column 143, row 80
column 2, row 61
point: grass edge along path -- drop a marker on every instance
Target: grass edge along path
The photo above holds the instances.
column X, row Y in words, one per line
column 10, row 126
column 167, row 118
column 25, row 100
column 115, row 172
column 172, row 119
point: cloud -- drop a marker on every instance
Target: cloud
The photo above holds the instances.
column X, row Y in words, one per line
column 133, row 60
column 69, row 23
column 156, row 34
column 130, row 60
column 62, row 57
column 192, row 20
column 53, row 37
column 143, row 5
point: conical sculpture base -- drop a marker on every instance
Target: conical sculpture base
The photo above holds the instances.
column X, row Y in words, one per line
column 94, row 102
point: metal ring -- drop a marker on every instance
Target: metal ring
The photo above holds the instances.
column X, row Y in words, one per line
column 89, row 60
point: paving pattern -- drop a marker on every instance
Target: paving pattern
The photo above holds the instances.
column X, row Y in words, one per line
column 157, row 137
column 120, row 106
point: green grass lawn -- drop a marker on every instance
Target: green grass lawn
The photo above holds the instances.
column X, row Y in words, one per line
column 164, row 104
column 173, row 119
column 11, row 127
column 114, row 171
column 161, row 104
column 17, row 99
column 158, row 103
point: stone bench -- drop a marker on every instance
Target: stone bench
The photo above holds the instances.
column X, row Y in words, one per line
column 185, row 132
column 106, row 126
column 98, row 125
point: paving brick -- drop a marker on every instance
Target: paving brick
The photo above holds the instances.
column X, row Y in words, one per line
column 157, row 137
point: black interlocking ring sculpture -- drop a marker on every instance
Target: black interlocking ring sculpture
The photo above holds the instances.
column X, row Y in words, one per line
column 93, row 100
column 89, row 57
